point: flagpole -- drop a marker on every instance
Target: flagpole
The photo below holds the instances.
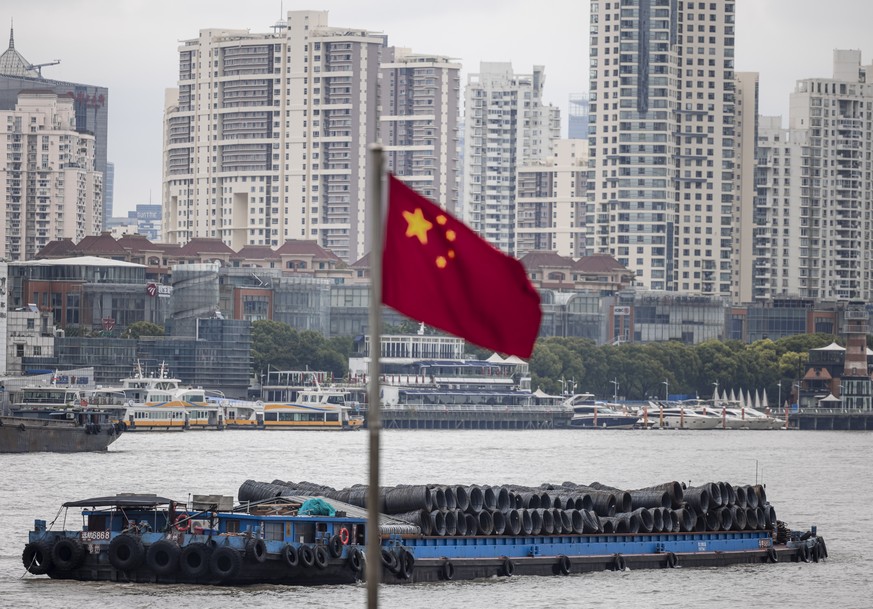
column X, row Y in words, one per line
column 374, row 418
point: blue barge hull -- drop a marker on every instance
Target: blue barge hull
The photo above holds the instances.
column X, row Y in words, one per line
column 146, row 539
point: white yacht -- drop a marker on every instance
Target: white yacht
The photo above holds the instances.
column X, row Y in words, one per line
column 738, row 417
column 589, row 413
column 671, row 415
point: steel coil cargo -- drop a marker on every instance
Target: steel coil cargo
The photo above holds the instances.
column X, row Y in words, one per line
column 697, row 498
column 476, row 499
column 650, row 499
column 565, row 509
column 407, row 499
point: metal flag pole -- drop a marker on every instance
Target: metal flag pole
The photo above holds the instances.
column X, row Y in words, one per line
column 374, row 417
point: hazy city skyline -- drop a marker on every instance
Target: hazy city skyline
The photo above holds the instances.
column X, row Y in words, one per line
column 131, row 47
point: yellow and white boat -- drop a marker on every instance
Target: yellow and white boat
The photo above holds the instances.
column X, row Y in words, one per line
column 163, row 403
column 309, row 405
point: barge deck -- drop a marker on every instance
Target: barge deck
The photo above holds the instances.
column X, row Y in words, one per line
column 308, row 540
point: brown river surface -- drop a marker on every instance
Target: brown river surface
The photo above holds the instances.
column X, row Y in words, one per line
column 812, row 478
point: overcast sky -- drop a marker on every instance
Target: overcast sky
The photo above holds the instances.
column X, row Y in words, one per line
column 131, row 47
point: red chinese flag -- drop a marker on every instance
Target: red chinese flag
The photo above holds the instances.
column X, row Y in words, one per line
column 437, row 270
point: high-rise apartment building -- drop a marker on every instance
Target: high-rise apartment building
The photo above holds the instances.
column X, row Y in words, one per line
column 266, row 137
column 746, row 218
column 50, row 188
column 577, row 117
column 551, row 201
column 778, row 175
column 812, row 237
column 108, row 192
column 662, row 143
column 506, row 125
column 90, row 102
column 420, row 104
column 832, row 124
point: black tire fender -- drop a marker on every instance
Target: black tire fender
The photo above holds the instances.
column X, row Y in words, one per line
column 37, row 557
column 290, row 556
column 162, row 557
column 256, row 550
column 126, row 552
column 803, row 552
column 194, row 560
column 564, row 564
column 448, row 570
column 321, row 557
column 307, row 556
column 224, row 563
column 672, row 560
column 335, row 545
column 772, row 556
column 508, row 567
column 405, row 564
column 67, row 554
column 356, row 560
column 618, row 563
column 389, row 560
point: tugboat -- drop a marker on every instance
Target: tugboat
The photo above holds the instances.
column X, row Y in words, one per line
column 304, row 534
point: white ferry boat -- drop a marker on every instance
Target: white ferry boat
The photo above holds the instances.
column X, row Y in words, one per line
column 162, row 403
column 295, row 400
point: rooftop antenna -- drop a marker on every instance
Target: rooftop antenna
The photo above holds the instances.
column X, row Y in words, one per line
column 30, row 66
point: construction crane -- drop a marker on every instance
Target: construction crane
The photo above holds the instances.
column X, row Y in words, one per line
column 39, row 66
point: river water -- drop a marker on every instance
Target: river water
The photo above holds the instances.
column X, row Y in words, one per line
column 812, row 478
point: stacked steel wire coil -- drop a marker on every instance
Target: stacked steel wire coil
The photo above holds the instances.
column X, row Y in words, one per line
column 567, row 508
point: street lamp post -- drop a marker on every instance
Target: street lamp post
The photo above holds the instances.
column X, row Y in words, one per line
column 615, row 390
column 715, row 394
column 666, row 384
column 779, row 402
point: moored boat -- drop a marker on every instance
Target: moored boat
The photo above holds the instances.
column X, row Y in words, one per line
column 161, row 403
column 591, row 414
column 52, row 418
column 319, row 408
column 300, row 534
column 749, row 418
column 682, row 416
column 69, row 431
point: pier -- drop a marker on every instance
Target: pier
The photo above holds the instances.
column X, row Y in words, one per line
column 475, row 417
column 828, row 419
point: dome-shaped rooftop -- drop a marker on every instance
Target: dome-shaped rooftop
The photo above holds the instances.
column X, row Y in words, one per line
column 13, row 64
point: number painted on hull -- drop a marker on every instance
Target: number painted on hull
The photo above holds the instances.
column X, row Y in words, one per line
column 95, row 535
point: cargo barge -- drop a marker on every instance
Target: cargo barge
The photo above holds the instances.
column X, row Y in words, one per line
column 297, row 535
column 64, row 431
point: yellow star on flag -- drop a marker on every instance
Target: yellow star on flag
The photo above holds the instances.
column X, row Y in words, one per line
column 417, row 225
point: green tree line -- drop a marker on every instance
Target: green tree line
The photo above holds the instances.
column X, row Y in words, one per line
column 642, row 369
column 278, row 346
